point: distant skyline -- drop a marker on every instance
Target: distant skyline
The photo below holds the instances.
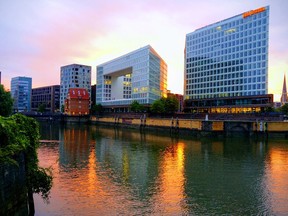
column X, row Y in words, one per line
column 38, row 37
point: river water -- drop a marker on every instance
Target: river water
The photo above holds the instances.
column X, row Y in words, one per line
column 107, row 171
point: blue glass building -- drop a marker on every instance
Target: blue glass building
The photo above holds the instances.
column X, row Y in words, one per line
column 21, row 89
column 228, row 60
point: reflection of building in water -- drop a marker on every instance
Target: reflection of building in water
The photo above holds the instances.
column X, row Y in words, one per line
column 74, row 145
column 152, row 166
column 276, row 175
column 172, row 179
column 49, row 131
column 215, row 169
column 132, row 163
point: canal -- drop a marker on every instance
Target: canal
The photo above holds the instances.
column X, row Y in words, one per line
column 107, row 171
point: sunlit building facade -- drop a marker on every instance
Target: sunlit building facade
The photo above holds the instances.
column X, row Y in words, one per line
column 226, row 64
column 21, row 89
column 140, row 76
column 74, row 76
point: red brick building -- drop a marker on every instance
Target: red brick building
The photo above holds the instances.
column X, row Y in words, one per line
column 77, row 102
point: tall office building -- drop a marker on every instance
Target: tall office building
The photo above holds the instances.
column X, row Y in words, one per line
column 48, row 96
column 140, row 75
column 226, row 64
column 74, row 76
column 21, row 88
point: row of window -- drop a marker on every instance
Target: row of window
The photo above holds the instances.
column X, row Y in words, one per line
column 229, row 47
column 229, row 86
column 229, row 94
column 230, row 53
column 235, row 37
column 249, row 22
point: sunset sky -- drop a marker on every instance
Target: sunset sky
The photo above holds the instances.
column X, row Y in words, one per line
column 37, row 37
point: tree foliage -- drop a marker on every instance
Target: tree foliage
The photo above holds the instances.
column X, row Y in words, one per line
column 20, row 134
column 158, row 106
column 96, row 109
column 136, row 106
column 171, row 104
column 6, row 102
column 165, row 105
column 41, row 108
column 284, row 109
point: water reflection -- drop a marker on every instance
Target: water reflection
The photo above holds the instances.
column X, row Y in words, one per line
column 111, row 171
column 276, row 175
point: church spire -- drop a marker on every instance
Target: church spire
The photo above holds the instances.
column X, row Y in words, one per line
column 284, row 92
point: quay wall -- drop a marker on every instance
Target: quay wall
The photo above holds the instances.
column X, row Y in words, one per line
column 221, row 127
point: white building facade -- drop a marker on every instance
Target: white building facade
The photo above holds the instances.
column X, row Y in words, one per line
column 74, row 76
column 140, row 76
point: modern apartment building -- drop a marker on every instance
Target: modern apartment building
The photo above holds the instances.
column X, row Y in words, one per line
column 226, row 65
column 49, row 96
column 140, row 75
column 74, row 76
column 21, row 88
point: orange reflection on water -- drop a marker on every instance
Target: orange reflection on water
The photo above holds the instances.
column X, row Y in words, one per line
column 277, row 175
column 172, row 179
column 92, row 176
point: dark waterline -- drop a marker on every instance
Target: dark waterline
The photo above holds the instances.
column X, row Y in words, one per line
column 104, row 171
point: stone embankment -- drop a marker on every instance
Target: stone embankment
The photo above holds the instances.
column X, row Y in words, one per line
column 199, row 127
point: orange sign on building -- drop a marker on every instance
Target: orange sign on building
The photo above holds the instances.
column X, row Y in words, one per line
column 252, row 12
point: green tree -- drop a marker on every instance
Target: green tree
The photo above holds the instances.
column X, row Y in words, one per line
column 136, row 106
column 165, row 105
column 6, row 102
column 171, row 104
column 158, row 106
column 96, row 109
column 62, row 108
column 284, row 109
column 41, row 108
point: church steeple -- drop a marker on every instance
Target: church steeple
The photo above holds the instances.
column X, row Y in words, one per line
column 284, row 92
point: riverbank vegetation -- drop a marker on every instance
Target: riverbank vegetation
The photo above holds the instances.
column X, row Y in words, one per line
column 20, row 135
column 6, row 102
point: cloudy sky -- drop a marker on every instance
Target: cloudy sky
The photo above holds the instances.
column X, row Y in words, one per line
column 37, row 37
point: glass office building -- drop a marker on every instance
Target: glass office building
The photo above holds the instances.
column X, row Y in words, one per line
column 228, row 59
column 140, row 76
column 21, row 88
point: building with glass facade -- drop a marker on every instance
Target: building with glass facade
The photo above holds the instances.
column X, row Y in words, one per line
column 140, row 76
column 21, row 88
column 49, row 96
column 74, row 76
column 228, row 60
